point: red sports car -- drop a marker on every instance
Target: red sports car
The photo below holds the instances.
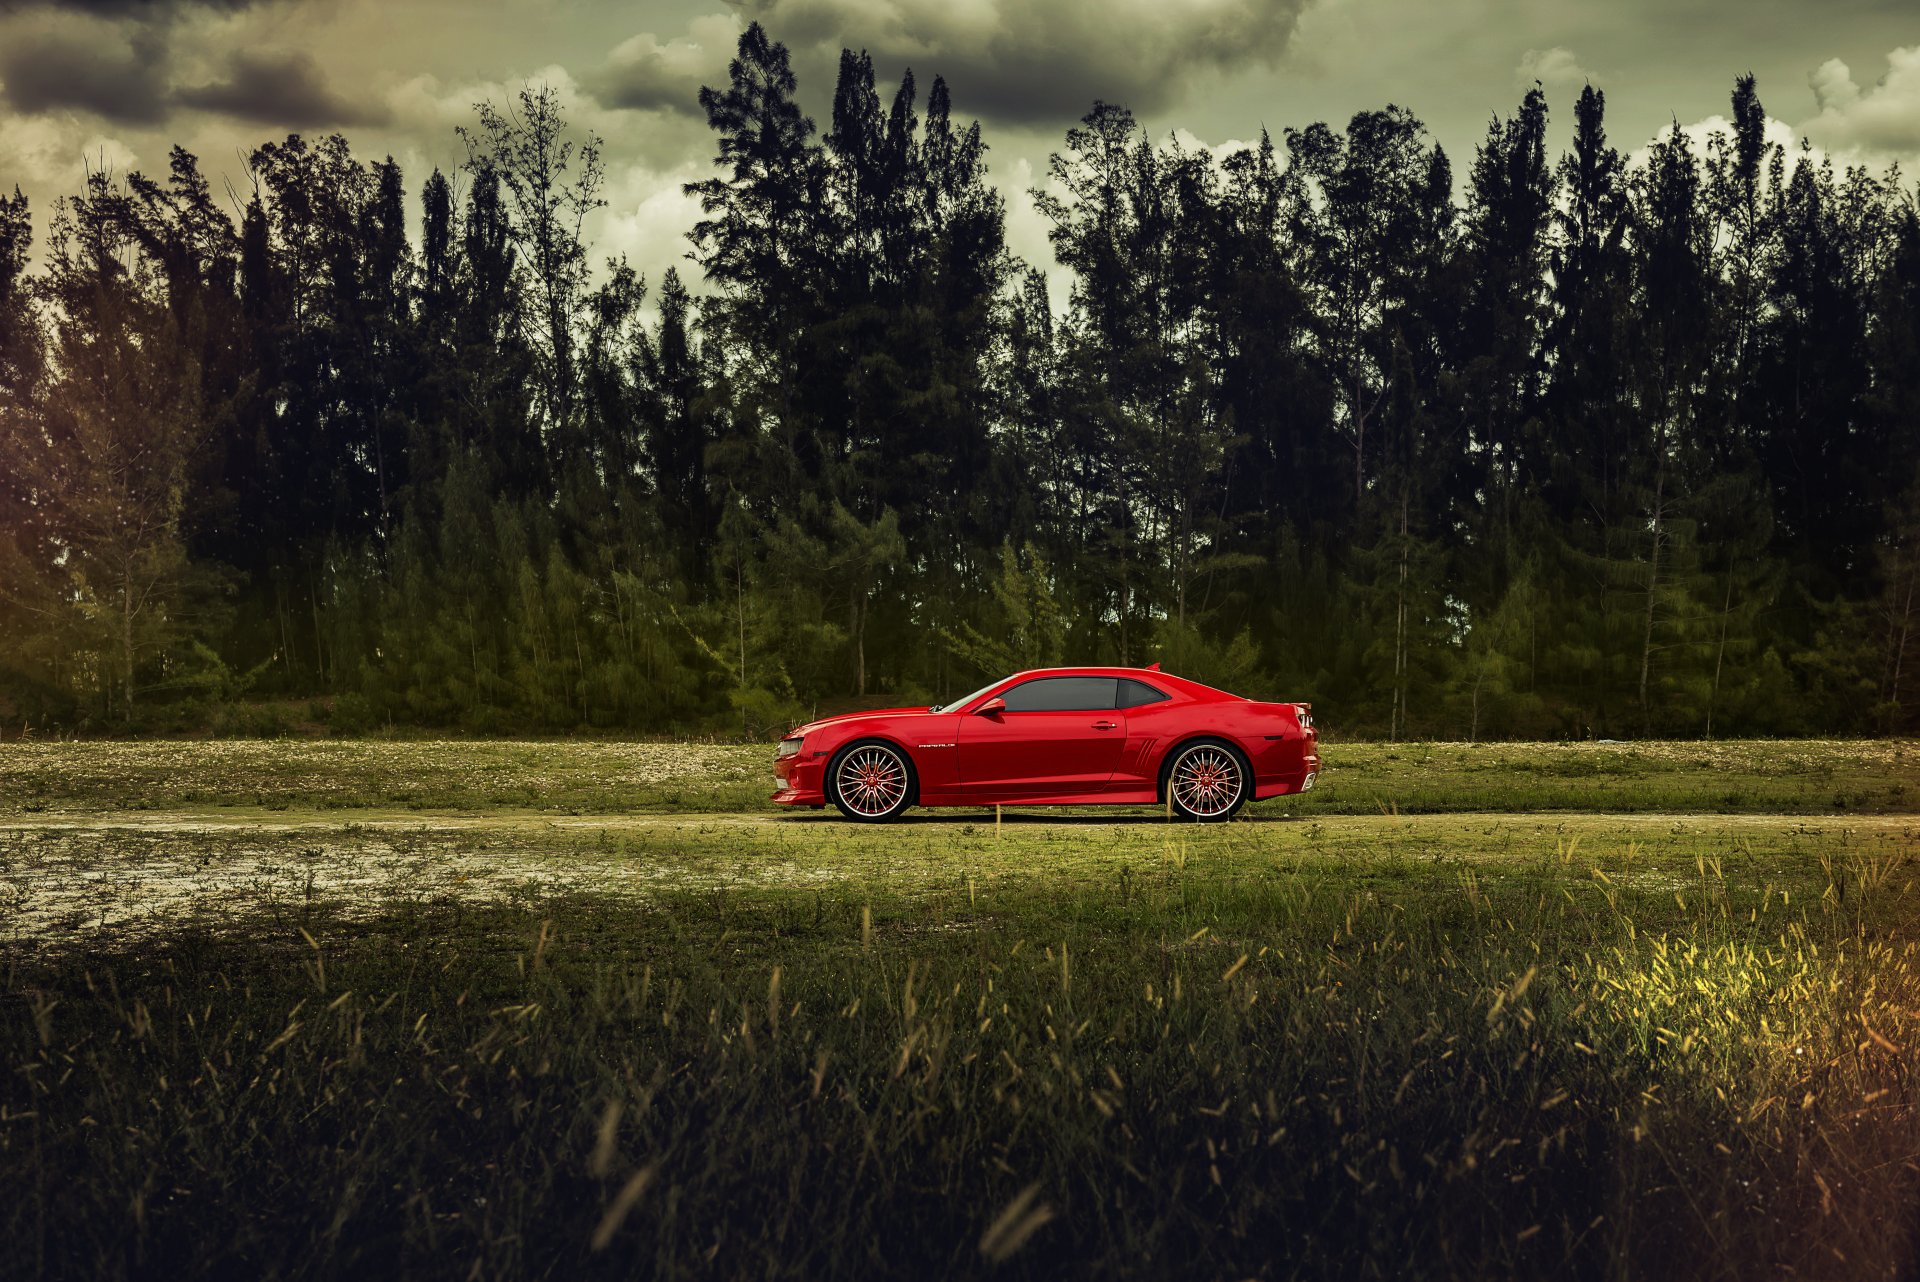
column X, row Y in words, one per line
column 1056, row 737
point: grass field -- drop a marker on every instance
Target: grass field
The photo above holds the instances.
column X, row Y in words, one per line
column 562, row 1010
column 1794, row 777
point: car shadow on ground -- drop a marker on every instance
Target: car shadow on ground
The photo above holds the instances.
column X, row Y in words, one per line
column 1030, row 818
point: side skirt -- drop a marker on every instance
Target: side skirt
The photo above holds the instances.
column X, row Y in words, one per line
column 1130, row 797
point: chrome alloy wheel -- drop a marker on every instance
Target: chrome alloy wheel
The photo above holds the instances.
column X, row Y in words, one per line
column 871, row 782
column 1207, row 781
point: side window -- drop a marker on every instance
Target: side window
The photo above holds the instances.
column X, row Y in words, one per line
column 1062, row 694
column 1135, row 693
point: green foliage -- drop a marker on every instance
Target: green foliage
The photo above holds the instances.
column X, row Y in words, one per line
column 764, row 713
column 1602, row 449
column 1232, row 664
column 352, row 714
column 1028, row 628
column 1492, row 683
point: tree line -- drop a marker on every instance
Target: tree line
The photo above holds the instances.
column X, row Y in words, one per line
column 1575, row 447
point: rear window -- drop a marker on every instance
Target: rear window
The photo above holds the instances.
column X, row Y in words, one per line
column 1062, row 694
column 1135, row 693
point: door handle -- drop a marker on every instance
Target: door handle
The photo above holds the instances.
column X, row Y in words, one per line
column 1103, row 725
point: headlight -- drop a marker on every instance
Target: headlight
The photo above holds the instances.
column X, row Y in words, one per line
column 788, row 747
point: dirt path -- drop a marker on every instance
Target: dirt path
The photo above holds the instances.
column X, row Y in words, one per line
column 266, row 819
column 68, row 878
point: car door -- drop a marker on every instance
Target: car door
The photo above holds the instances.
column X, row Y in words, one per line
column 1057, row 735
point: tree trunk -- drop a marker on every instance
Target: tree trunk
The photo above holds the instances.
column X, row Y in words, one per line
column 1720, row 650
column 1653, row 590
column 1180, row 567
column 1126, row 587
column 319, row 644
column 1900, row 643
column 740, row 612
column 1399, row 721
column 1359, row 443
column 860, row 645
column 285, row 618
column 380, row 476
column 580, row 661
column 473, row 651
column 126, row 639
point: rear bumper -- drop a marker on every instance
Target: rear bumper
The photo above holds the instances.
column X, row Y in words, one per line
column 1286, row 783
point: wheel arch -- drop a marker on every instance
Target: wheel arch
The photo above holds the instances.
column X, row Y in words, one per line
column 874, row 736
column 1165, row 768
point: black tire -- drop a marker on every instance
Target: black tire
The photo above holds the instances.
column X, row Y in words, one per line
column 1207, row 779
column 881, row 780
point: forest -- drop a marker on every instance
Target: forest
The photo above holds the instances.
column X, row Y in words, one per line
column 1570, row 446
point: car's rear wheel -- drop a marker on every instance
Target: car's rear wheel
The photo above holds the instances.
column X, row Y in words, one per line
column 1208, row 780
column 870, row 781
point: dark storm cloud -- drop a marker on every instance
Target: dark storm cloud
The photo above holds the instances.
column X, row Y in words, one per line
column 1018, row 63
column 122, row 72
column 146, row 10
column 282, row 89
column 120, row 77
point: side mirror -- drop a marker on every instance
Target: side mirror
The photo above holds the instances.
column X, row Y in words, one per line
column 992, row 707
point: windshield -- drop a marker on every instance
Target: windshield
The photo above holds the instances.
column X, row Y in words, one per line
column 964, row 701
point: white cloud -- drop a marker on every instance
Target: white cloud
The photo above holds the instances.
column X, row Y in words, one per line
column 1555, row 68
column 426, row 103
column 1026, row 228
column 646, row 220
column 1775, row 132
column 1881, row 122
column 1190, row 141
column 56, row 152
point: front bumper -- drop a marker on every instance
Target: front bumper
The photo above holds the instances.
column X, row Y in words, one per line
column 799, row 780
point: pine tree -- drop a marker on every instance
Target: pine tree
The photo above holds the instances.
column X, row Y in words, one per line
column 1674, row 301
column 1354, row 216
column 22, row 357
column 1511, row 201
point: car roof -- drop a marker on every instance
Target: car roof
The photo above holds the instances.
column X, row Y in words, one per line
column 1149, row 675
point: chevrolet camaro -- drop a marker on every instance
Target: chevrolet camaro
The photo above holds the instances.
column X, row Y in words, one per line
column 1056, row 737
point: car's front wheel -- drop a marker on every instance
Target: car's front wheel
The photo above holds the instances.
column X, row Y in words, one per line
column 870, row 781
column 1207, row 781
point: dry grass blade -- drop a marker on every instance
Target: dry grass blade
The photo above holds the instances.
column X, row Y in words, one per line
column 623, row 1202
column 1013, row 1226
column 1752, row 1064
column 601, row 1160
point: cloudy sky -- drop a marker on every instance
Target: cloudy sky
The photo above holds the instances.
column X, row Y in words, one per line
column 116, row 82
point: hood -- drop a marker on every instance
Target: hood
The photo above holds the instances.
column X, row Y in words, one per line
column 823, row 722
